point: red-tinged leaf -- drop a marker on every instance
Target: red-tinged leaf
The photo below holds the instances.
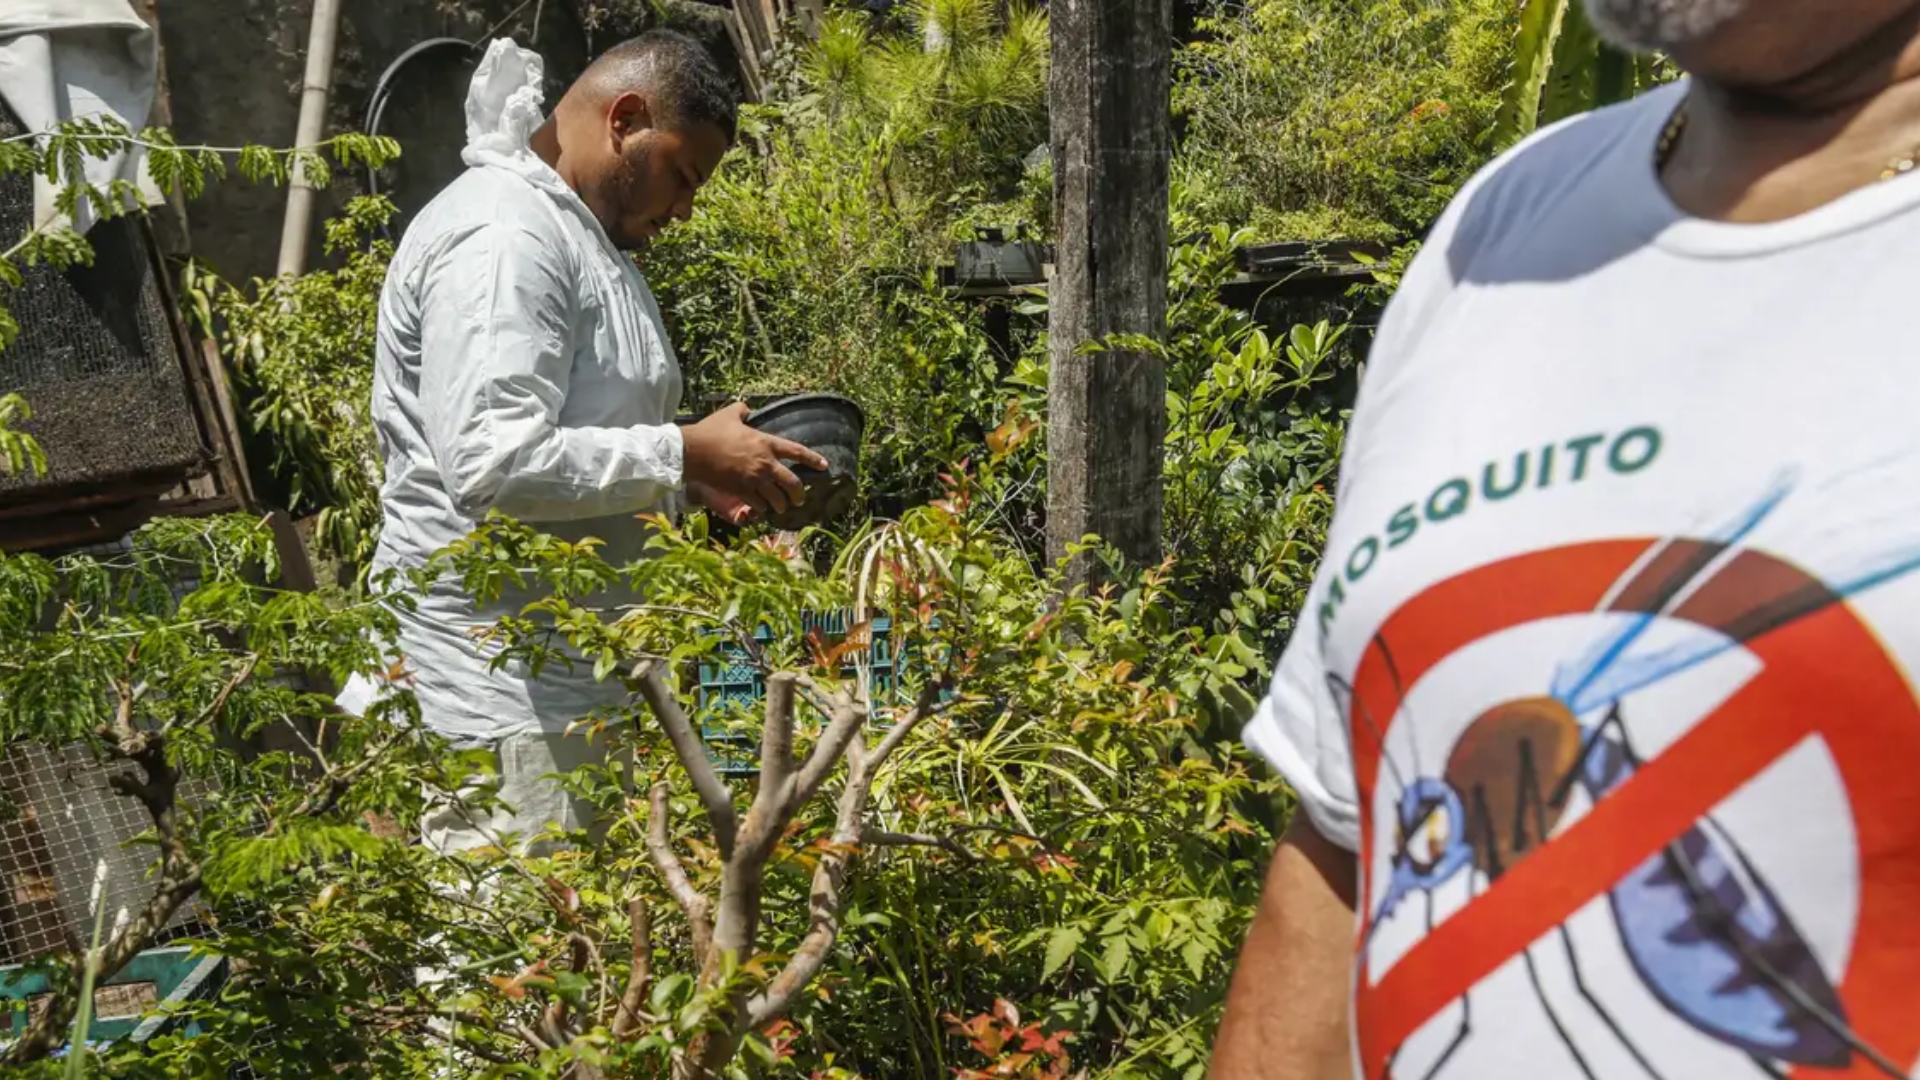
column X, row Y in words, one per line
column 1004, row 1009
column 1031, row 1039
column 508, row 986
column 1013, row 1064
column 818, row 648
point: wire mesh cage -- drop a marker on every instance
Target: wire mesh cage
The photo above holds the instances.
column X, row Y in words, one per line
column 96, row 362
column 59, row 822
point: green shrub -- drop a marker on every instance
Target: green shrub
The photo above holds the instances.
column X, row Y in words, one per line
column 1350, row 119
column 302, row 348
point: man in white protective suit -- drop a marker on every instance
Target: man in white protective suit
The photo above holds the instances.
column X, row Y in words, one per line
column 522, row 366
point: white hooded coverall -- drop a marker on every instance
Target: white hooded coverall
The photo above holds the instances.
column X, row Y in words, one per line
column 522, row 366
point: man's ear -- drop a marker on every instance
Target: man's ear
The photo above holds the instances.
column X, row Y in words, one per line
column 627, row 116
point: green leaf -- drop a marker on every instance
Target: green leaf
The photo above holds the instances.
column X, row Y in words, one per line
column 1570, row 83
column 1061, row 945
column 1533, row 45
column 1196, row 954
column 1116, row 958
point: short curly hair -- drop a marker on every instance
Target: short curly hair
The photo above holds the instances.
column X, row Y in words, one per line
column 676, row 73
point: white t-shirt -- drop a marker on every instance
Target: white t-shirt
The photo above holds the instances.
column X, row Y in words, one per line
column 1605, row 673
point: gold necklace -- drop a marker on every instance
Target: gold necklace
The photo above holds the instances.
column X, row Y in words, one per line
column 1677, row 123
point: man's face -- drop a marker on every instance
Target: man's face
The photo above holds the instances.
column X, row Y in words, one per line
column 653, row 175
column 1750, row 44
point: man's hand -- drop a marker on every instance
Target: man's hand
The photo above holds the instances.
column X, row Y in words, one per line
column 733, row 511
column 732, row 460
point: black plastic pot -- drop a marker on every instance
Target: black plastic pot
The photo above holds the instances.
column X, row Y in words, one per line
column 831, row 426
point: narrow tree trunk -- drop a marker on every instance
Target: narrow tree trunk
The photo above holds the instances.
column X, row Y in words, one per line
column 1111, row 106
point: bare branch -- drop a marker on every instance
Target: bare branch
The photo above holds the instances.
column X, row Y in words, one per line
column 630, row 1018
column 527, row 1036
column 824, row 904
column 881, row 838
column 814, row 695
column 845, row 719
column 776, row 738
column 928, row 704
column 692, row 904
column 692, row 753
column 584, row 956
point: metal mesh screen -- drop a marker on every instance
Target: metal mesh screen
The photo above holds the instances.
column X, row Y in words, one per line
column 58, row 821
column 95, row 359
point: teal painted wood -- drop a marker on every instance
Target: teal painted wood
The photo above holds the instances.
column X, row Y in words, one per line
column 177, row 976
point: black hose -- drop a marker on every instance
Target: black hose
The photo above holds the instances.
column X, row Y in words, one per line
column 377, row 104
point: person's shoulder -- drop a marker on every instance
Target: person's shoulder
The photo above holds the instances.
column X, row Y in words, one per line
column 1554, row 167
column 484, row 205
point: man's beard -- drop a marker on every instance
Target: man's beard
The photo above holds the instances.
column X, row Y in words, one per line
column 1660, row 25
column 625, row 189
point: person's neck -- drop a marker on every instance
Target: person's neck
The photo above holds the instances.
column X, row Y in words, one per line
column 546, row 146
column 1752, row 155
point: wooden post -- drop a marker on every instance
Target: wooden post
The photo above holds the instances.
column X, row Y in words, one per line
column 1111, row 108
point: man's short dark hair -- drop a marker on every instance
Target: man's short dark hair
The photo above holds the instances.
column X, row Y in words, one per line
column 682, row 83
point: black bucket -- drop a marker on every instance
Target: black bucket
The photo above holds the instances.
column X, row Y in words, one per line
column 831, row 426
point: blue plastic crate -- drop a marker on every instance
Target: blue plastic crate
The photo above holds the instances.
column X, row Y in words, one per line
column 732, row 681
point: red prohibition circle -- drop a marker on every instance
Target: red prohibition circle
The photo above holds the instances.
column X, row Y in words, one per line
column 1823, row 675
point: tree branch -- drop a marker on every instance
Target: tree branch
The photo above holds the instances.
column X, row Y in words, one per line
column 692, row 753
column 845, row 719
column 630, row 1018
column 928, row 704
column 824, row 903
column 219, row 701
column 882, row 838
column 776, row 738
column 692, row 904
column 177, row 879
column 178, row 876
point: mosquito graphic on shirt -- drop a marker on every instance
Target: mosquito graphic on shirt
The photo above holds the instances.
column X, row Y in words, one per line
column 1702, row 929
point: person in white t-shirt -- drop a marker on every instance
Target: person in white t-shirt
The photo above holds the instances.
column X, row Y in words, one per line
column 1602, row 712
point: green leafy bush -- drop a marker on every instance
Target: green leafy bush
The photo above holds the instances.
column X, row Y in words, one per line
column 809, row 260
column 1356, row 119
column 302, row 348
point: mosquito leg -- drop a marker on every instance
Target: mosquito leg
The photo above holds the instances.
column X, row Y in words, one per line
column 1767, row 1067
column 1540, row 992
column 1459, row 1036
column 1580, row 984
column 1466, row 1014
